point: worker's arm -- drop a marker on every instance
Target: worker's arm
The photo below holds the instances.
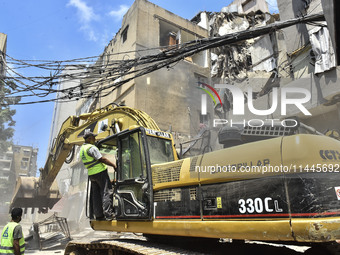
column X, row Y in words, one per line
column 107, row 162
column 94, row 152
column 17, row 235
column 16, row 247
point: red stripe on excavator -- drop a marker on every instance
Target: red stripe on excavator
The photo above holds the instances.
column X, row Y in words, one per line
column 249, row 215
column 179, row 217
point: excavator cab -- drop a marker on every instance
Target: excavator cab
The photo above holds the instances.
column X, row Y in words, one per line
column 137, row 150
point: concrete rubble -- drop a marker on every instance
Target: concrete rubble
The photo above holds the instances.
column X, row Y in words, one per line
column 302, row 52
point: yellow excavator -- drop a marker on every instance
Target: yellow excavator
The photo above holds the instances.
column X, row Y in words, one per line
column 269, row 183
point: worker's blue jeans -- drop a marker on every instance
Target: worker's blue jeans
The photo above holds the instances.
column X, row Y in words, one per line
column 101, row 195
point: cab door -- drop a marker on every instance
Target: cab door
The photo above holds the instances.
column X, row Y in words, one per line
column 133, row 188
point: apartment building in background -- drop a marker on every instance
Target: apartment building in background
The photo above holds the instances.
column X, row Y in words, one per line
column 17, row 161
column 25, row 160
column 71, row 178
column 61, row 112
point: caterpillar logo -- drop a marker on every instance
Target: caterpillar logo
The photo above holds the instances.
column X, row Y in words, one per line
column 329, row 154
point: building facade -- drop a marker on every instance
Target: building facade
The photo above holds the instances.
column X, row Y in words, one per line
column 7, row 171
column 312, row 61
column 17, row 161
column 24, row 160
column 3, row 48
column 247, row 6
column 71, row 178
column 169, row 95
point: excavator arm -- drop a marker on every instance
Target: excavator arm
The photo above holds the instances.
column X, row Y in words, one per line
column 42, row 192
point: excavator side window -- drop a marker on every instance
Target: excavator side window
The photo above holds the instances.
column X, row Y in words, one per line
column 133, row 164
column 109, row 151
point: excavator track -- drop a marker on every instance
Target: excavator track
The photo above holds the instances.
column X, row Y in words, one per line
column 123, row 247
column 139, row 247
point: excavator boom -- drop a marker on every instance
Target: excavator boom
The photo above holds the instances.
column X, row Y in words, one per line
column 41, row 192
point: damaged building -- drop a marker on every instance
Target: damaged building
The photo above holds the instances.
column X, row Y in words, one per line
column 236, row 62
column 300, row 56
column 312, row 60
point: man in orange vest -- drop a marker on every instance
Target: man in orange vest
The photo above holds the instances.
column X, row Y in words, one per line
column 12, row 238
column 101, row 187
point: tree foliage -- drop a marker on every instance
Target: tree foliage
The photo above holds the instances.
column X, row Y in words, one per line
column 6, row 114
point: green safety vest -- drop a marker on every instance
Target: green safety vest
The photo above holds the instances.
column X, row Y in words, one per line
column 93, row 166
column 6, row 247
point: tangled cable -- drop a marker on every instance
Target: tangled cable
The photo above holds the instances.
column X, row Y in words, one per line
column 110, row 75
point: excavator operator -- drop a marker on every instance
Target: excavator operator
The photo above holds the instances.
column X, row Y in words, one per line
column 101, row 187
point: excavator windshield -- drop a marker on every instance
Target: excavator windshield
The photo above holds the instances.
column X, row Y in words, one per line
column 132, row 151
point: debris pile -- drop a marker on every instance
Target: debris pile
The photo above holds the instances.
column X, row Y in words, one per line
column 236, row 62
column 48, row 234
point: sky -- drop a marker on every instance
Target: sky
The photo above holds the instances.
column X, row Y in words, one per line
column 69, row 29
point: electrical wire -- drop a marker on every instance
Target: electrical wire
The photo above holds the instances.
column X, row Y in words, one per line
column 100, row 76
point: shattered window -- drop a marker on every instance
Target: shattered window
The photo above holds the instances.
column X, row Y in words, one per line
column 172, row 35
column 168, row 34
